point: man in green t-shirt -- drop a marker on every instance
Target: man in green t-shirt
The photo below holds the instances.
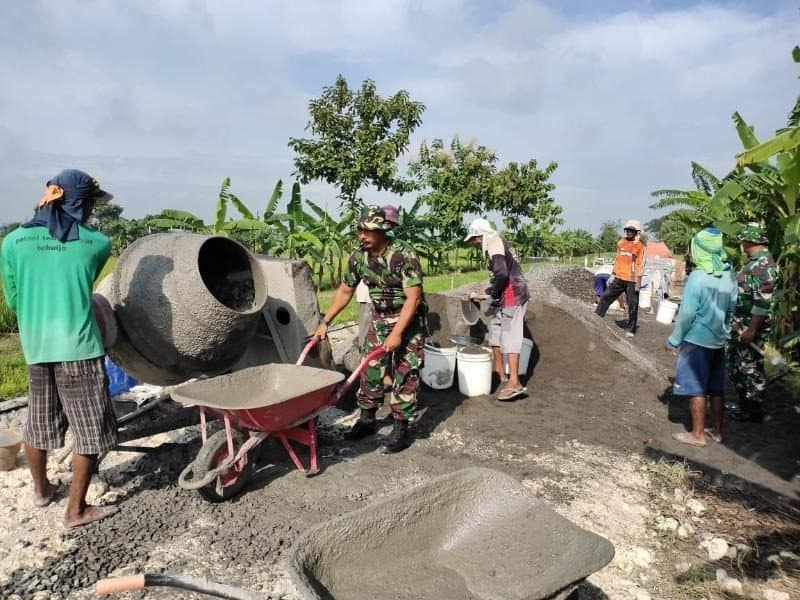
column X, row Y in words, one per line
column 393, row 275
column 49, row 266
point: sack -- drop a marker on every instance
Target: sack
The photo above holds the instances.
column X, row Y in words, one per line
column 118, row 380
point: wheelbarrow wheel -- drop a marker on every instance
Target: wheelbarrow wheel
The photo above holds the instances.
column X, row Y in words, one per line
column 227, row 484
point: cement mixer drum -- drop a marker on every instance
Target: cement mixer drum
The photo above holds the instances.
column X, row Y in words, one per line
column 186, row 305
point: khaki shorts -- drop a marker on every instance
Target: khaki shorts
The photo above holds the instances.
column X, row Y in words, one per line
column 73, row 393
column 505, row 329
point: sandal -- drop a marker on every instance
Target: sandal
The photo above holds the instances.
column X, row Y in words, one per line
column 510, row 393
column 714, row 437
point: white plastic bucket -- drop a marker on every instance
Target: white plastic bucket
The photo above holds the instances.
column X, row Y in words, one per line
column 439, row 368
column 524, row 357
column 644, row 298
column 474, row 367
column 666, row 311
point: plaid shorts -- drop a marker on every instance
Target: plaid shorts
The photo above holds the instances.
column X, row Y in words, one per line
column 73, row 393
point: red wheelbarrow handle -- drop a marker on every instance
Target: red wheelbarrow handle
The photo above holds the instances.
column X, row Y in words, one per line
column 341, row 389
column 311, row 343
column 374, row 355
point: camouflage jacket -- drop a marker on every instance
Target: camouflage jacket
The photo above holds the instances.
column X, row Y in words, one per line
column 757, row 280
column 385, row 275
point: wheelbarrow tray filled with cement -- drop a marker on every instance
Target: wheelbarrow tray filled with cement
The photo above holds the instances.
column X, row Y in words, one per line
column 475, row 533
column 266, row 398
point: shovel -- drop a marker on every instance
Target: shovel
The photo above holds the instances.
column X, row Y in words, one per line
column 470, row 311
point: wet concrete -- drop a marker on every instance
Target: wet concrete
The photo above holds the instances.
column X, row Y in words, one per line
column 475, row 533
column 256, row 387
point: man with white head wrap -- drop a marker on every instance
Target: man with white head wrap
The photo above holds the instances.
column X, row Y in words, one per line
column 507, row 295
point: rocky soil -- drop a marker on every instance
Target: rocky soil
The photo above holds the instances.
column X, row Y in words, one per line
column 591, row 440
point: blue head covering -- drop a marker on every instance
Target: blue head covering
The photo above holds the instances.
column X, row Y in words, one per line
column 63, row 216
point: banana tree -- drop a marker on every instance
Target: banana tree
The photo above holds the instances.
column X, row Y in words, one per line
column 171, row 219
column 261, row 234
column 771, row 182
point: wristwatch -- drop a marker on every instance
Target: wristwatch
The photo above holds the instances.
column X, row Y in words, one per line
column 324, row 320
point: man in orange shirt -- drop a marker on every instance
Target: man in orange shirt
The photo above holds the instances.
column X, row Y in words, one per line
column 628, row 266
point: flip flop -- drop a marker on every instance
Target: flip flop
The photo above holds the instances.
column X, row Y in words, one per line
column 712, row 436
column 508, row 393
column 90, row 515
column 685, row 437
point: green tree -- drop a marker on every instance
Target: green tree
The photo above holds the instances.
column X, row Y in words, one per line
column 578, row 242
column 107, row 218
column 356, row 139
column 522, row 192
column 455, row 182
column 609, row 236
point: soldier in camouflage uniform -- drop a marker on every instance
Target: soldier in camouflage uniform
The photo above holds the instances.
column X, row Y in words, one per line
column 751, row 324
column 392, row 272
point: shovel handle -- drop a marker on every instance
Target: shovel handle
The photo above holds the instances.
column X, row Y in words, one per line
column 114, row 585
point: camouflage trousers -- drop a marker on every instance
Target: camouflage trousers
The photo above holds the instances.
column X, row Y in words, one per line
column 402, row 368
column 746, row 370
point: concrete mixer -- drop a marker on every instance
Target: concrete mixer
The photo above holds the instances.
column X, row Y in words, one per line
column 187, row 305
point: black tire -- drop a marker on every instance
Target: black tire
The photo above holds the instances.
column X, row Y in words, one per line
column 211, row 454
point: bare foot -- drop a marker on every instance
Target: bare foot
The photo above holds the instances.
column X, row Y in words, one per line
column 90, row 514
column 46, row 497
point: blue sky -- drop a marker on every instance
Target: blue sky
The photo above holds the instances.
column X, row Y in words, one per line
column 162, row 100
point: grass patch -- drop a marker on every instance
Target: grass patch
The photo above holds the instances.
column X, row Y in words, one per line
column 13, row 371
column 671, row 474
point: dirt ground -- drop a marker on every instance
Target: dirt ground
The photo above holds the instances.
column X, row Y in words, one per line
column 591, row 439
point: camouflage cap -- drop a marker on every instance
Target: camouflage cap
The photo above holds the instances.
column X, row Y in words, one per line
column 373, row 218
column 753, row 233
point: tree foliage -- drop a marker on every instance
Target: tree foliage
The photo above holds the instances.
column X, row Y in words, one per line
column 608, row 236
column 356, row 139
column 455, row 181
column 522, row 191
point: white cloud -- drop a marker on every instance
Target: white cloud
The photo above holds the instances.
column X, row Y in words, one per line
column 165, row 99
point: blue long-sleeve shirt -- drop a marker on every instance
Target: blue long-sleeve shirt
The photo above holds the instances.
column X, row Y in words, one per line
column 706, row 310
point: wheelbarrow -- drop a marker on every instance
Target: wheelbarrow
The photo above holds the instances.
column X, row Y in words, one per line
column 279, row 400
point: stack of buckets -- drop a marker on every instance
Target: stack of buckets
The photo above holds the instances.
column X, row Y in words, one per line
column 472, row 363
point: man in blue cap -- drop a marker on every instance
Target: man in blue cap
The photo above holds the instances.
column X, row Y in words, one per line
column 49, row 266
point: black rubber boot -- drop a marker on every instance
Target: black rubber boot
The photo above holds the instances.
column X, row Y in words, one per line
column 398, row 440
column 365, row 426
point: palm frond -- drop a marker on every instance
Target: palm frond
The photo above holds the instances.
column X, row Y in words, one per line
column 277, row 193
column 704, row 180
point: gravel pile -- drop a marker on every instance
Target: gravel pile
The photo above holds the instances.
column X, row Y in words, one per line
column 234, row 541
column 575, row 282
